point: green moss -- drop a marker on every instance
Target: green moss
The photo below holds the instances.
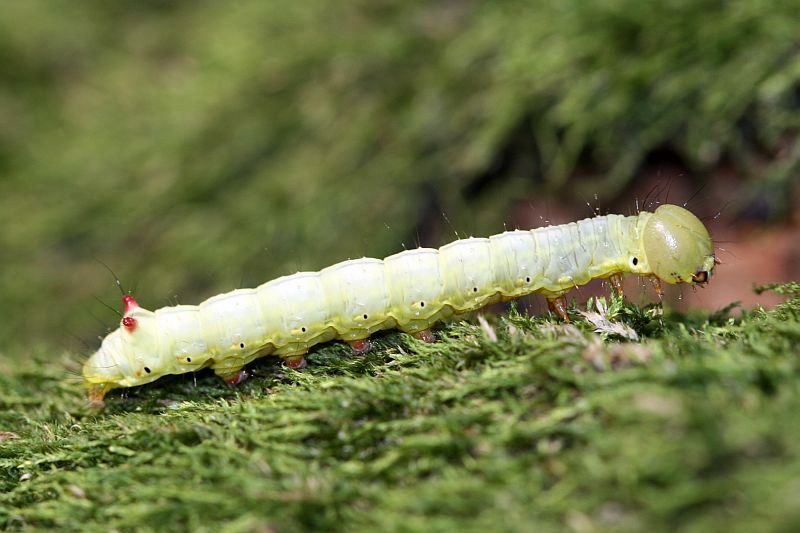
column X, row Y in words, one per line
column 693, row 427
column 148, row 135
column 198, row 146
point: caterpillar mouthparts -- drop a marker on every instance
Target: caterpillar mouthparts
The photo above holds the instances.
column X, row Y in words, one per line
column 410, row 291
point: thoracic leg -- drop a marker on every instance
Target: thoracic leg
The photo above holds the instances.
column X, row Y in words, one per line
column 657, row 286
column 616, row 283
column 559, row 306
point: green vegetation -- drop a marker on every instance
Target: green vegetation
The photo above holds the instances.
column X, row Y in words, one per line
column 197, row 146
column 693, row 428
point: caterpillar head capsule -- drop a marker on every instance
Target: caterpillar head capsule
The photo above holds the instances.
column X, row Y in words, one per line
column 677, row 246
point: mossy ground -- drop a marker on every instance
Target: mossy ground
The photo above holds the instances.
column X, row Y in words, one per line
column 195, row 147
column 199, row 146
column 695, row 427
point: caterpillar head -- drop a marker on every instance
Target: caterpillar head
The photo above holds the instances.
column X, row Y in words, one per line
column 677, row 246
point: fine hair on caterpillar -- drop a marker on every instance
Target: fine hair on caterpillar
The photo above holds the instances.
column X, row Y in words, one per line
column 410, row 291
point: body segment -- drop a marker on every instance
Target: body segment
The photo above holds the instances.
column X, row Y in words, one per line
column 410, row 291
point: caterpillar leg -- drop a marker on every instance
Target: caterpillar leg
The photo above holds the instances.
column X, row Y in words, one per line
column 657, row 286
column 360, row 347
column 295, row 362
column 616, row 283
column 233, row 377
column 425, row 335
column 559, row 306
column 96, row 395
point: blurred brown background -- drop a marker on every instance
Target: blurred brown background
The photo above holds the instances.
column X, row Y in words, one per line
column 195, row 147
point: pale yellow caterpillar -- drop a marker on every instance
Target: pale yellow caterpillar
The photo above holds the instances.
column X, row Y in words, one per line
column 410, row 291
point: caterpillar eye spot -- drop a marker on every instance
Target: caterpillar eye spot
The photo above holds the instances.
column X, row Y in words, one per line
column 365, row 316
column 474, row 289
column 422, row 304
column 188, row 359
column 241, row 345
column 635, row 261
column 147, row 369
column 527, row 279
column 303, row 329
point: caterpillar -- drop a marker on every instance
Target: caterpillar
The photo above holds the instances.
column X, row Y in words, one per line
column 409, row 291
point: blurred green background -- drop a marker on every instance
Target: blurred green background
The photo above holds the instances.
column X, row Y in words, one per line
column 195, row 147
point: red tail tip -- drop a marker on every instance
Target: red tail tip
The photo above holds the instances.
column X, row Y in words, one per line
column 129, row 323
column 129, row 303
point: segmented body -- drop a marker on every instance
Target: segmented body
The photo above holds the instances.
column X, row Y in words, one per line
column 410, row 291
